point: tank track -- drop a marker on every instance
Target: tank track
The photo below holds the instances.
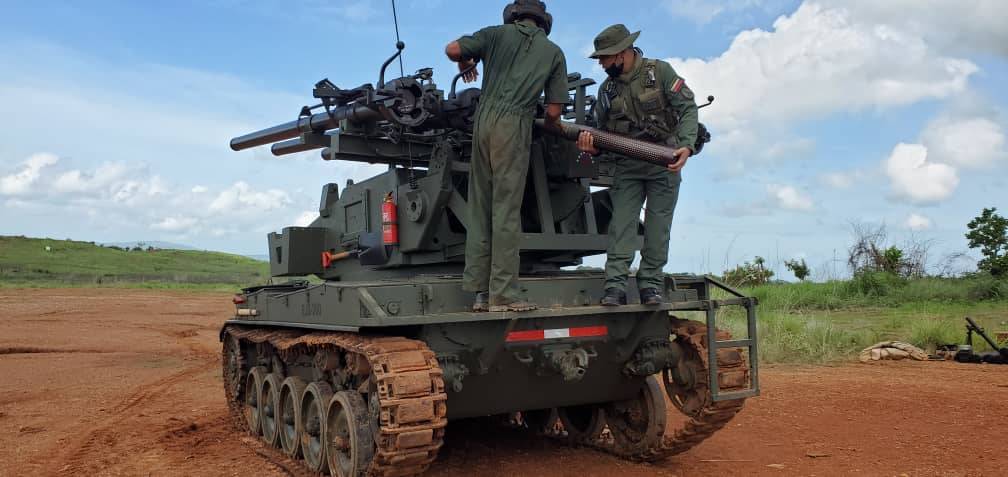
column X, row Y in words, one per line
column 705, row 421
column 411, row 403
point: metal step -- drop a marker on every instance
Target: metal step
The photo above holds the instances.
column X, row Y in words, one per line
column 713, row 345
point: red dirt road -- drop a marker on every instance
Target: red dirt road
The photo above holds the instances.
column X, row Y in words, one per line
column 121, row 382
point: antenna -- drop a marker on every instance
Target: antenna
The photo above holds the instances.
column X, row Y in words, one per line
column 395, row 19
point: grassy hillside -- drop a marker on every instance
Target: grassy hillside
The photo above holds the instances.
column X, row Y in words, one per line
column 47, row 262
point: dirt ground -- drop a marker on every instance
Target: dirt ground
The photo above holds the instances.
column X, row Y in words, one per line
column 120, row 382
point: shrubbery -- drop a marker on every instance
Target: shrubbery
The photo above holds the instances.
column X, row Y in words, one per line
column 749, row 274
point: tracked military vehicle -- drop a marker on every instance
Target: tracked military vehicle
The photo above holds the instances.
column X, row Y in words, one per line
column 358, row 371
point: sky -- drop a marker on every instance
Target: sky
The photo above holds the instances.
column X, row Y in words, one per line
column 115, row 117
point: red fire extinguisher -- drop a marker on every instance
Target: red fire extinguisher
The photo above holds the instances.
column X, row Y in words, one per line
column 390, row 221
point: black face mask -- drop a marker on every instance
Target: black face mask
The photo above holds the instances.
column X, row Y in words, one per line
column 614, row 70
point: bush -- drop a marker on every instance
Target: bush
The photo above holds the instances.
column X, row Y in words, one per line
column 987, row 287
column 930, row 333
column 749, row 274
column 875, row 284
column 798, row 267
column 871, row 252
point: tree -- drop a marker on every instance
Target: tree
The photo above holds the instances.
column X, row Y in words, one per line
column 798, row 267
column 989, row 233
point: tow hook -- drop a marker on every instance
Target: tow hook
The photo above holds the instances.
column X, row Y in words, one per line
column 571, row 363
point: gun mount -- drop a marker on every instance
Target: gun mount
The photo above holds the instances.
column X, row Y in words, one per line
column 965, row 353
column 388, row 338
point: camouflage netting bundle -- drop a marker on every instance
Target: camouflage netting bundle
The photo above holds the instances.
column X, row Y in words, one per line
column 894, row 350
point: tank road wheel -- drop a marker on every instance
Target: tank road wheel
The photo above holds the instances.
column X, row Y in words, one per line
column 686, row 385
column 349, row 442
column 289, row 415
column 253, row 386
column 539, row 420
column 269, row 400
column 313, row 419
column 583, row 423
column 638, row 424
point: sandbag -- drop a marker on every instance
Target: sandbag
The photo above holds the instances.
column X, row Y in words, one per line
column 892, row 350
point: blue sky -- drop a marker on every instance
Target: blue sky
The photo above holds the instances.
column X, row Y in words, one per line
column 116, row 115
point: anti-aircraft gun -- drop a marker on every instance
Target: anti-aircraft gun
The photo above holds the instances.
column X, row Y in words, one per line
column 359, row 370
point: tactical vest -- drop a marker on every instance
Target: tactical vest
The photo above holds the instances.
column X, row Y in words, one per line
column 644, row 116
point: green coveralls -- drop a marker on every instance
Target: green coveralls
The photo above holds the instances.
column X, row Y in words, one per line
column 519, row 63
column 654, row 104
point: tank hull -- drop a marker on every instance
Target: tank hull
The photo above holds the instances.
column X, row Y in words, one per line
column 504, row 369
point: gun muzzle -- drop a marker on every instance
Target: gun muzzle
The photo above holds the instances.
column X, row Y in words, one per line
column 315, row 123
column 607, row 141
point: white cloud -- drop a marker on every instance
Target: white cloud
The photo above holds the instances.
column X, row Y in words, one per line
column 199, row 189
column 21, row 182
column 816, row 62
column 845, row 179
column 790, row 198
column 789, row 149
column 965, row 142
column 175, row 224
column 962, row 25
column 917, row 222
column 306, row 218
column 914, row 178
column 240, row 198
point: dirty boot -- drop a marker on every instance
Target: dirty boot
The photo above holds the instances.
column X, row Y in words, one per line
column 482, row 302
column 614, row 297
column 513, row 305
column 650, row 296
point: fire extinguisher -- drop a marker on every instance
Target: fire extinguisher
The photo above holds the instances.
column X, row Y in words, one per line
column 390, row 221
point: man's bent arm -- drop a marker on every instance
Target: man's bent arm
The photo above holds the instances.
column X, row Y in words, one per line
column 454, row 51
column 553, row 111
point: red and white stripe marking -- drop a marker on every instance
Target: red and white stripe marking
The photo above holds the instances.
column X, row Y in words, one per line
column 557, row 333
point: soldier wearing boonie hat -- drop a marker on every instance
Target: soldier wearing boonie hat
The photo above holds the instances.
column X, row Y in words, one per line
column 645, row 99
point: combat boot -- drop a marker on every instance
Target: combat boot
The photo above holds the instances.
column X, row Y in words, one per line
column 482, row 302
column 650, row 296
column 504, row 304
column 614, row 297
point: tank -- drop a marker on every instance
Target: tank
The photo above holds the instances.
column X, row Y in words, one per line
column 363, row 345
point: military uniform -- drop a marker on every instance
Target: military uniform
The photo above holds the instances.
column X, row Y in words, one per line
column 519, row 63
column 647, row 101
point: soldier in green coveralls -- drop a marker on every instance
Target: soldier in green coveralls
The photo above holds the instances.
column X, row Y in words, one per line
column 520, row 63
column 644, row 99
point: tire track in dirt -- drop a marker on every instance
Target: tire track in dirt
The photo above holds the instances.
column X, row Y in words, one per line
column 205, row 436
column 93, row 453
column 39, row 350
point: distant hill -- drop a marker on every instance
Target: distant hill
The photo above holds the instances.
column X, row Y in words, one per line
column 49, row 262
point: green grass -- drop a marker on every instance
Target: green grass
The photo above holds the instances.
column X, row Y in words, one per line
column 26, row 262
column 834, row 321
